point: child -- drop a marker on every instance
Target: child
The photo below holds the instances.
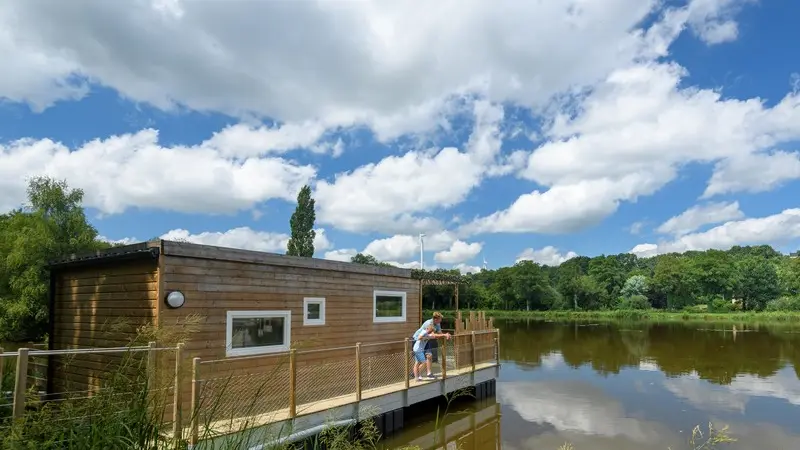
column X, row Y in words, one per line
column 419, row 352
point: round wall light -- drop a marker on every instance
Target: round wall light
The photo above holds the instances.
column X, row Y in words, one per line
column 175, row 299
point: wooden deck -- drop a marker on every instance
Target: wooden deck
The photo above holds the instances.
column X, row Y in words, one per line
column 229, row 426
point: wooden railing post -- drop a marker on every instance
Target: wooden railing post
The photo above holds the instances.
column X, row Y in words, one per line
column 2, row 367
column 474, row 350
column 407, row 368
column 444, row 359
column 20, row 385
column 177, row 429
column 497, row 347
column 196, row 387
column 358, row 371
column 292, row 383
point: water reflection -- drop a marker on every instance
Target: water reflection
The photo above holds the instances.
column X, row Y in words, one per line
column 607, row 386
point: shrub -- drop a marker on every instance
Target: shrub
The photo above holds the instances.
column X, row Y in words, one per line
column 784, row 304
column 635, row 302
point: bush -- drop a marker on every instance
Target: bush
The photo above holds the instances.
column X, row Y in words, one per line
column 784, row 304
column 634, row 302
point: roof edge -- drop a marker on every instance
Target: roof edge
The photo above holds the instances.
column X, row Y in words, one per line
column 141, row 250
column 202, row 251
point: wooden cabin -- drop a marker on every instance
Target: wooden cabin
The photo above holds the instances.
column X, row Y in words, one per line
column 247, row 303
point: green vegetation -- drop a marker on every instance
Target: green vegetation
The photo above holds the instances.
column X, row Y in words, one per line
column 301, row 242
column 651, row 315
column 742, row 280
column 53, row 224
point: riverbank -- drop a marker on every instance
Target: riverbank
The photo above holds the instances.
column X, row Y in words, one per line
column 643, row 316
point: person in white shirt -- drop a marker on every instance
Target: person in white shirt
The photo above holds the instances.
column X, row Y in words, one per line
column 421, row 357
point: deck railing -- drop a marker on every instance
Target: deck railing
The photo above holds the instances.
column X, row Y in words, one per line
column 247, row 390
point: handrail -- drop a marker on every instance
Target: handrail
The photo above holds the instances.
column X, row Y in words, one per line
column 328, row 349
column 83, row 351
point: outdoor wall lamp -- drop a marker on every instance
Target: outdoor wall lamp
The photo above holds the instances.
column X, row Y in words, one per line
column 175, row 299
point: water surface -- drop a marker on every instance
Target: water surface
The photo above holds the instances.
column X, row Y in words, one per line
column 645, row 386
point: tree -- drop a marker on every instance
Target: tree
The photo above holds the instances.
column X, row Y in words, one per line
column 635, row 285
column 758, row 282
column 301, row 242
column 361, row 258
column 51, row 225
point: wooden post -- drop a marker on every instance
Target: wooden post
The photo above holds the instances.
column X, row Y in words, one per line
column 196, row 389
column 497, row 347
column 177, row 429
column 358, row 371
column 292, row 383
column 474, row 352
column 457, row 297
column 444, row 359
column 2, row 364
column 21, row 382
column 407, row 365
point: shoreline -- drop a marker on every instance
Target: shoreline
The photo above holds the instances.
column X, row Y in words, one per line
column 639, row 316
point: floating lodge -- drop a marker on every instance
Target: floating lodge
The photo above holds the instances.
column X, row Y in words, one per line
column 281, row 342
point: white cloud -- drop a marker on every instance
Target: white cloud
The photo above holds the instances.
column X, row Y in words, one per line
column 628, row 138
column 390, row 67
column 458, row 252
column 757, row 172
column 465, row 268
column 242, row 140
column 388, row 196
column 404, row 246
column 135, row 171
column 547, row 256
column 699, row 215
column 712, row 20
column 245, row 238
column 342, row 254
column 123, row 241
column 776, row 229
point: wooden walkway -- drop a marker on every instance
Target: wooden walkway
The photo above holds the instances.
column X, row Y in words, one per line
column 229, row 426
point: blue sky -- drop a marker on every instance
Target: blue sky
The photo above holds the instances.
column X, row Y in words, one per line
column 513, row 131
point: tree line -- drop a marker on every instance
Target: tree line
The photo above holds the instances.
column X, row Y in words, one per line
column 751, row 278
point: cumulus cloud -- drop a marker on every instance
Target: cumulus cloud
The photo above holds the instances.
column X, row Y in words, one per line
column 628, row 139
column 389, row 195
column 245, row 238
column 386, row 66
column 700, row 215
column 758, row 172
column 404, row 246
column 134, row 171
column 547, row 256
column 776, row 229
column 342, row 254
column 458, row 252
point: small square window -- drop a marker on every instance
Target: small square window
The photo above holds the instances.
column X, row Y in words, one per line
column 257, row 332
column 389, row 306
column 313, row 311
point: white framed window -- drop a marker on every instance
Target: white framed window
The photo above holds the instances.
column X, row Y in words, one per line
column 388, row 306
column 257, row 332
column 313, row 311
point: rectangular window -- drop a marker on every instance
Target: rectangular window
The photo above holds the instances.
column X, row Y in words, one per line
column 257, row 332
column 389, row 306
column 313, row 311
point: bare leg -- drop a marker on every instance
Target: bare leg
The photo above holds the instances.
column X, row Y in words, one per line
column 428, row 362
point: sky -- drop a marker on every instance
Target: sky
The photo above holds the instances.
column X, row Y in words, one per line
column 501, row 130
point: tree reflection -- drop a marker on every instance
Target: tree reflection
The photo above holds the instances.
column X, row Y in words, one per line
column 716, row 353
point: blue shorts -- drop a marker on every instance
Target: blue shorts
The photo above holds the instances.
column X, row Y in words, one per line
column 419, row 356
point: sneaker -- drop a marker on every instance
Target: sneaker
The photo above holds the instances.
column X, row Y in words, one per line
column 430, row 376
column 419, row 378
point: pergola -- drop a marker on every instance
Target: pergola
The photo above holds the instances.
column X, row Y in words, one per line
column 438, row 278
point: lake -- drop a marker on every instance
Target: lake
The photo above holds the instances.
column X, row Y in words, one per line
column 643, row 386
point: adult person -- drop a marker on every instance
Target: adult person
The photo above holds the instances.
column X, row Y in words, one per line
column 432, row 344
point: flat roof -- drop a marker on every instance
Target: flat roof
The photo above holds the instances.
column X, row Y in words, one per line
column 151, row 249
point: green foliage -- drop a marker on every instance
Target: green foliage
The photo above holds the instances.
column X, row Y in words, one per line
column 53, row 224
column 636, row 301
column 301, row 242
column 758, row 282
column 784, row 304
column 635, row 285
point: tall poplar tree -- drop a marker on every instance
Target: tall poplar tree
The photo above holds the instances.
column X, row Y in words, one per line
column 302, row 223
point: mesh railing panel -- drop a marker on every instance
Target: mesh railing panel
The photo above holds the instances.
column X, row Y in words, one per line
column 319, row 382
column 238, row 396
column 383, row 370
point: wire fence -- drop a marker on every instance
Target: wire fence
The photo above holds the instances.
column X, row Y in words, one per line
column 92, row 391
